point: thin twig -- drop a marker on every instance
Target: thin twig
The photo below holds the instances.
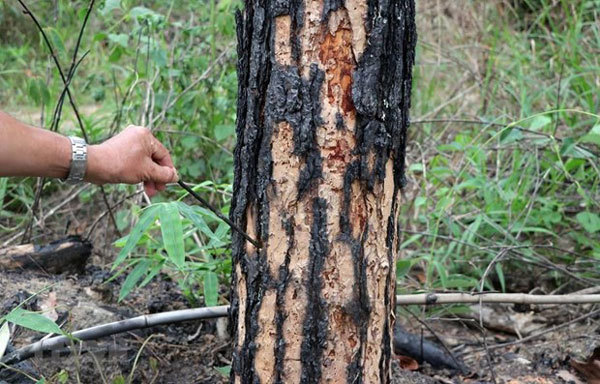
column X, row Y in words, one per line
column 509, row 298
column 103, row 214
column 53, row 210
column 221, row 216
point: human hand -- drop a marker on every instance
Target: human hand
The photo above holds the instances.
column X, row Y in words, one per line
column 131, row 157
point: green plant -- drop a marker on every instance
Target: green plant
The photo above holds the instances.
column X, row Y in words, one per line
column 192, row 248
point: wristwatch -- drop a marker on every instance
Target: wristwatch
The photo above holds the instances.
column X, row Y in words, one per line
column 78, row 160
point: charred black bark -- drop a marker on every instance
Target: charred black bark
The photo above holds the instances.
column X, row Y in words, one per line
column 315, row 323
column 382, row 87
column 270, row 94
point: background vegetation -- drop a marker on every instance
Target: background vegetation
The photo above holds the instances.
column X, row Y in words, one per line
column 504, row 172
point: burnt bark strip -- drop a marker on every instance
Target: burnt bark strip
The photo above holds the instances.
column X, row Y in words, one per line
column 288, row 224
column 253, row 74
column 324, row 94
column 316, row 321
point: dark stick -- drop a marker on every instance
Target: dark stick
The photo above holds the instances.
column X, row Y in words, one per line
column 61, row 99
column 221, row 216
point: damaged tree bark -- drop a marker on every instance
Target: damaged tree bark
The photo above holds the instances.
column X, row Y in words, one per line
column 324, row 95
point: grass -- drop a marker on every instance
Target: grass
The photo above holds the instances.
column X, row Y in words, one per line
column 503, row 157
column 504, row 164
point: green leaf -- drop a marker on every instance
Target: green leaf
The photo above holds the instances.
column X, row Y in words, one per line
column 510, row 135
column 410, row 240
column 63, row 377
column 539, row 122
column 518, row 227
column 121, row 39
column 44, row 92
column 41, row 381
column 147, row 218
column 3, row 184
column 4, row 338
column 142, row 12
column 133, row 278
column 223, row 132
column 100, row 36
column 56, row 40
column 33, row 91
column 110, row 5
column 116, row 54
column 402, row 268
column 456, row 282
column 589, row 221
column 172, row 233
column 198, row 220
column 593, row 137
column 500, row 273
column 153, row 272
column 225, row 370
column 211, row 289
column 32, row 320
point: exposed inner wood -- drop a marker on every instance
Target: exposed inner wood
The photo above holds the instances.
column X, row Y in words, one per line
column 283, row 46
column 337, row 147
column 357, row 13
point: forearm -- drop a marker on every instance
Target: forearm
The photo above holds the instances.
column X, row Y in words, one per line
column 131, row 157
column 31, row 151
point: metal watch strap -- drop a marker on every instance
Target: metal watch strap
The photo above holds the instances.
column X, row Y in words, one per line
column 78, row 160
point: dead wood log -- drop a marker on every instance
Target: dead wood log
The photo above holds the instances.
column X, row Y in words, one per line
column 420, row 349
column 65, row 255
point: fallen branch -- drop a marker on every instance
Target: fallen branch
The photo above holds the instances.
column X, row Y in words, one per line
column 421, row 349
column 139, row 322
column 68, row 254
column 486, row 298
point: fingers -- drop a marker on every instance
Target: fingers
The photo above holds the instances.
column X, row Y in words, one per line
column 160, row 174
column 160, row 154
column 149, row 162
column 150, row 188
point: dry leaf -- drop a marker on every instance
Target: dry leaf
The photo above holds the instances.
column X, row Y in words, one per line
column 500, row 318
column 48, row 307
column 589, row 369
column 407, row 363
column 568, row 377
column 530, row 380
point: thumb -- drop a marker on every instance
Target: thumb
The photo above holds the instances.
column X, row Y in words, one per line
column 163, row 174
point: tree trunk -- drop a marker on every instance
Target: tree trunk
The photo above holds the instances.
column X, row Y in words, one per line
column 324, row 95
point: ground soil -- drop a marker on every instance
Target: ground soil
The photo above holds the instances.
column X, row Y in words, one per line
column 193, row 352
